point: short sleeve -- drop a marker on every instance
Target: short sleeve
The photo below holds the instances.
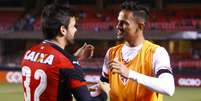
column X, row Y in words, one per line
column 161, row 60
column 74, row 78
column 105, row 68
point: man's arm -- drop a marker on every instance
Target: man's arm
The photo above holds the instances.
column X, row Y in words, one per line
column 82, row 94
column 105, row 68
column 76, row 84
column 164, row 83
column 85, row 52
column 101, row 85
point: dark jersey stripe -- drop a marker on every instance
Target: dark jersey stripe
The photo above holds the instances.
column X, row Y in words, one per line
column 70, row 57
column 163, row 71
column 65, row 75
column 64, row 90
column 103, row 79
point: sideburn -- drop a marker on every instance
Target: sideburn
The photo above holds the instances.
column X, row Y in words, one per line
column 139, row 27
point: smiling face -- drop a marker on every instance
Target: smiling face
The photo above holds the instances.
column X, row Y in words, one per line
column 127, row 25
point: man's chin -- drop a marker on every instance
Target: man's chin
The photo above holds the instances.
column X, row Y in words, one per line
column 71, row 42
column 120, row 35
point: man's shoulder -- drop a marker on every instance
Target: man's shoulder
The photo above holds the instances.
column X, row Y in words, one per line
column 151, row 45
column 116, row 47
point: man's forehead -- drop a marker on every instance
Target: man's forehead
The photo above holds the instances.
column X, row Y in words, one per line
column 72, row 19
column 124, row 14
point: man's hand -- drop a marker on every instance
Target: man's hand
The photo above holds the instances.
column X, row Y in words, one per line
column 118, row 67
column 104, row 86
column 95, row 90
column 85, row 52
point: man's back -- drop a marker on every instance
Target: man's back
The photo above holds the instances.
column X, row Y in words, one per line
column 50, row 74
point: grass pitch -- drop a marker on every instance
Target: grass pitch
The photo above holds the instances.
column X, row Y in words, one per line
column 185, row 94
column 11, row 92
column 14, row 92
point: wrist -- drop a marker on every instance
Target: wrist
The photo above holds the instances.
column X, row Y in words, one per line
column 78, row 58
column 132, row 75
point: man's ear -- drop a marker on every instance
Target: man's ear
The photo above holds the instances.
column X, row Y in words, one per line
column 63, row 30
column 141, row 26
column 141, row 23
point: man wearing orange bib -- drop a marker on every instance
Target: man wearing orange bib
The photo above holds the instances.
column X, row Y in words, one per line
column 136, row 70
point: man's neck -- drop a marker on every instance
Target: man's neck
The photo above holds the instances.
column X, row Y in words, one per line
column 137, row 42
column 59, row 42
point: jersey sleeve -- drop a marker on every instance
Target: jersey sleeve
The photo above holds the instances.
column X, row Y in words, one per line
column 82, row 94
column 161, row 61
column 76, row 84
column 74, row 77
column 77, row 79
column 105, row 68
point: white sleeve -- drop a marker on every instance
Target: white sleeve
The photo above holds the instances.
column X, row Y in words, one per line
column 164, row 83
column 161, row 60
column 105, row 68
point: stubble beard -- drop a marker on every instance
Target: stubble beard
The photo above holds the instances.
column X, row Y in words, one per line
column 120, row 35
column 71, row 41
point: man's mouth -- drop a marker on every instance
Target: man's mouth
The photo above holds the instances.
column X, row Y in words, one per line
column 120, row 34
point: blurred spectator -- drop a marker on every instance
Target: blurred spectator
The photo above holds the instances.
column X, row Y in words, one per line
column 196, row 54
column 82, row 15
column 96, row 29
column 110, row 27
column 99, row 15
column 197, row 25
column 29, row 19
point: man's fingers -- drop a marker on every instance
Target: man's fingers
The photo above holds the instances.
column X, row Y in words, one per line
column 90, row 46
column 114, row 61
column 90, row 50
column 105, row 86
column 114, row 65
column 85, row 44
column 116, row 71
column 91, row 54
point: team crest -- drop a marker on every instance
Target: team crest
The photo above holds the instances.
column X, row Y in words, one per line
column 123, row 80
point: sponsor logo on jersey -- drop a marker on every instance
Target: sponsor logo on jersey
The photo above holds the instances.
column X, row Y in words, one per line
column 39, row 57
column 123, row 80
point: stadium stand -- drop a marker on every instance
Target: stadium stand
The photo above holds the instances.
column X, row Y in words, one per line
column 90, row 19
column 8, row 18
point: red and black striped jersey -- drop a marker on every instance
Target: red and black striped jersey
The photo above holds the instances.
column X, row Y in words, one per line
column 50, row 74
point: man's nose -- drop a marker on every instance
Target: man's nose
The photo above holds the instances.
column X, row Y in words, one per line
column 118, row 26
column 75, row 29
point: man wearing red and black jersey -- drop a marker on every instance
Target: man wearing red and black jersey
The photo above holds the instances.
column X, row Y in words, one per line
column 48, row 72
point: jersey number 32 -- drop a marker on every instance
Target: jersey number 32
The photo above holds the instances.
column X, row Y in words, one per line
column 39, row 74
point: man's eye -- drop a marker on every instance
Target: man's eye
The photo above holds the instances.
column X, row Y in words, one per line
column 121, row 23
column 76, row 25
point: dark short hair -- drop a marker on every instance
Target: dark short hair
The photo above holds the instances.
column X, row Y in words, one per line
column 53, row 17
column 138, row 10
